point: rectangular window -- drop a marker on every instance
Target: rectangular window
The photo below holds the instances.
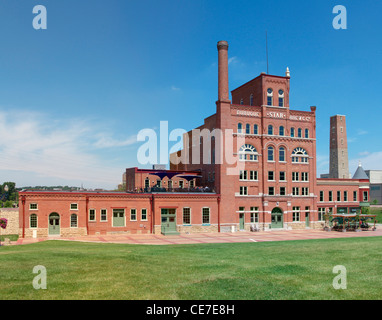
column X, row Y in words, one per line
column 355, row 196
column 33, row 221
column 304, row 176
column 296, row 213
column 365, row 196
column 33, row 206
column 321, row 212
column 338, row 195
column 143, row 214
column 254, row 214
column 305, row 191
column 282, row 191
column 295, row 191
column 345, row 196
column 243, row 191
column 294, row 176
column 181, row 183
column 133, row 215
column 74, row 206
column 282, row 176
column 103, row 215
column 206, row 215
column 255, row 129
column 281, row 102
column 186, row 216
column 271, row 191
column 253, row 175
column 243, row 175
column 321, row 196
column 271, row 176
column 269, row 101
column 92, row 215
column 330, row 195
column 73, row 221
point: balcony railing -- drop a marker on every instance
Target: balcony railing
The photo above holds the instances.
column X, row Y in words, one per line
column 174, row 190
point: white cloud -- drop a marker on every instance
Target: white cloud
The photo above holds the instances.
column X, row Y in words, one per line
column 33, row 145
column 369, row 161
column 233, row 60
column 173, row 88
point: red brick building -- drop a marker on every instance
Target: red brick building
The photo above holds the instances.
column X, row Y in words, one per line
column 270, row 184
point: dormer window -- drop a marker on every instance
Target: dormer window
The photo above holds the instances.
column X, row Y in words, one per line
column 269, row 97
column 281, row 98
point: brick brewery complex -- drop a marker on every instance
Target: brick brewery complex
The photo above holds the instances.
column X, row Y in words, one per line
column 274, row 185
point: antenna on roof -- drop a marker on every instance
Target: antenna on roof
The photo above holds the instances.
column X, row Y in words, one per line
column 266, row 45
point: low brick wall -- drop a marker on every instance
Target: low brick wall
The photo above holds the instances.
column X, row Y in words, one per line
column 12, row 215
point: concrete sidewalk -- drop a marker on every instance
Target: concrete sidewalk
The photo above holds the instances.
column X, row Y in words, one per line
column 241, row 236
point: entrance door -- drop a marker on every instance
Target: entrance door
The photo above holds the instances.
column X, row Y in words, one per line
column 168, row 225
column 241, row 221
column 277, row 218
column 307, row 219
column 54, row 224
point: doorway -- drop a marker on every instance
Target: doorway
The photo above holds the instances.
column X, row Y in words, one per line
column 168, row 221
column 242, row 220
column 277, row 218
column 54, row 224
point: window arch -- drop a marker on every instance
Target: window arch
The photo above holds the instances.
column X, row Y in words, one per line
column 292, row 132
column 300, row 155
column 281, row 98
column 270, row 130
column 248, row 152
column 239, row 128
column 306, row 133
column 299, row 132
column 281, row 131
column 33, row 221
column 73, row 221
column 247, row 128
column 271, row 154
column 270, row 97
column 282, row 154
column 255, row 129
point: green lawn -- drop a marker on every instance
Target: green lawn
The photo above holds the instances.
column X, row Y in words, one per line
column 267, row 270
column 378, row 212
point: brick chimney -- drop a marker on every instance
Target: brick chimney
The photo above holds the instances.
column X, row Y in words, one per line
column 223, row 92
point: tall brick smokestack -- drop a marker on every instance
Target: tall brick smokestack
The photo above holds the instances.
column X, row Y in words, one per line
column 223, row 93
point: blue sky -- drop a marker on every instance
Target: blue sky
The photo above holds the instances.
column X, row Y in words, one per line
column 74, row 96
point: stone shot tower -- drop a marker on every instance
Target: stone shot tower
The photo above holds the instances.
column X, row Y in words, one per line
column 339, row 161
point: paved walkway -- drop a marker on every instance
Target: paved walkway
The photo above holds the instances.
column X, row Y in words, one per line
column 153, row 239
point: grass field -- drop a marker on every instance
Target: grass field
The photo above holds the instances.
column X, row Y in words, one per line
column 262, row 270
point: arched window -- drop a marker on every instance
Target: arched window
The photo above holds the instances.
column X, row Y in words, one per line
column 281, row 98
column 247, row 128
column 33, row 221
column 270, row 97
column 281, row 131
column 292, row 132
column 239, row 128
column 300, row 155
column 248, row 153
column 271, row 154
column 306, row 133
column 73, row 221
column 282, row 154
column 255, row 129
column 299, row 132
column 251, row 100
column 270, row 129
